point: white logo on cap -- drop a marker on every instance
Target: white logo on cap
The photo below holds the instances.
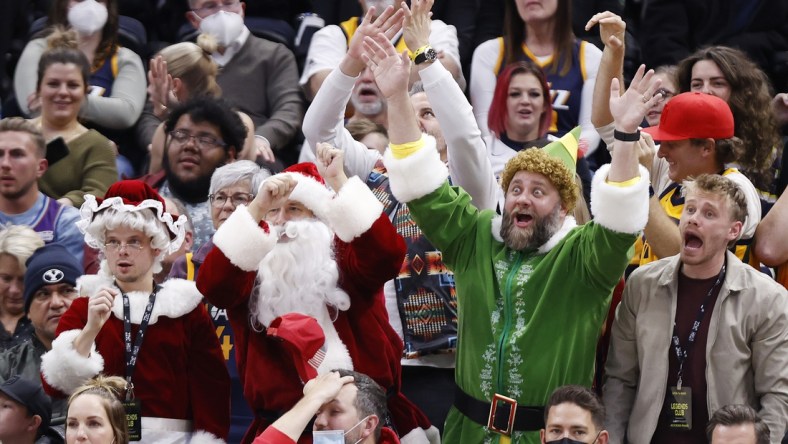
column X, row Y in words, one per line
column 53, row 276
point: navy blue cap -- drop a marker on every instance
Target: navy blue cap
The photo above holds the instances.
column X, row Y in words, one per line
column 50, row 264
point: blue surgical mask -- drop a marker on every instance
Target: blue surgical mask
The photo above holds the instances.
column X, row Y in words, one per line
column 334, row 436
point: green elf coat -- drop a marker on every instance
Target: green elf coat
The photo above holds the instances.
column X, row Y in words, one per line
column 528, row 321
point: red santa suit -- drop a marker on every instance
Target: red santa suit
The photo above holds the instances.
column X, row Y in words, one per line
column 368, row 252
column 180, row 372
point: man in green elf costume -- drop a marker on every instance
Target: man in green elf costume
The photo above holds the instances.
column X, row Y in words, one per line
column 533, row 288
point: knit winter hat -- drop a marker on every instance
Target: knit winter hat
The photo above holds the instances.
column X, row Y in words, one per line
column 131, row 195
column 311, row 189
column 50, row 264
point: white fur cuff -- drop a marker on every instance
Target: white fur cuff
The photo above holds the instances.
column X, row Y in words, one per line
column 203, row 437
column 65, row 369
column 353, row 211
column 243, row 241
column 417, row 175
column 620, row 209
column 421, row 436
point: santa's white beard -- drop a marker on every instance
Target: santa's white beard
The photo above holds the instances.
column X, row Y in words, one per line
column 300, row 275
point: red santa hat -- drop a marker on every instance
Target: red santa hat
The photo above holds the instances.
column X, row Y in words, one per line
column 131, row 195
column 311, row 189
column 304, row 341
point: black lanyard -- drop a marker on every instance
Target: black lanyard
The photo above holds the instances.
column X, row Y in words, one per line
column 681, row 352
column 132, row 352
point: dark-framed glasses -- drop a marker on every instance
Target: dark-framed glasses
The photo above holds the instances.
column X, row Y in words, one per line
column 202, row 141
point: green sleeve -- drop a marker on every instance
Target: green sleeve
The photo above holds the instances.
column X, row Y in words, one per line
column 452, row 224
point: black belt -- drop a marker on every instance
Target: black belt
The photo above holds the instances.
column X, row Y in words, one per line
column 503, row 415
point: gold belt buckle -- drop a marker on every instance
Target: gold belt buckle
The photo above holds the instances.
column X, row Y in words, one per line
column 512, row 411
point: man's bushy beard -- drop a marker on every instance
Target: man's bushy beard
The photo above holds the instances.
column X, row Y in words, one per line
column 299, row 274
column 194, row 191
column 533, row 237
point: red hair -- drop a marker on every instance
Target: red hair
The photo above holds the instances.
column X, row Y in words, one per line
column 498, row 119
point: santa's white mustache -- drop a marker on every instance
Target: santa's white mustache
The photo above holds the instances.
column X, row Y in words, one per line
column 289, row 230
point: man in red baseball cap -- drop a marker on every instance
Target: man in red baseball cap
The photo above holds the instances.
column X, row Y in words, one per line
column 696, row 137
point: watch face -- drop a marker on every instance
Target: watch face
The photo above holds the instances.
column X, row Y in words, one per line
column 431, row 54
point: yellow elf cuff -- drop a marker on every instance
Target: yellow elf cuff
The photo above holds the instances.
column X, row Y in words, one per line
column 626, row 183
column 403, row 150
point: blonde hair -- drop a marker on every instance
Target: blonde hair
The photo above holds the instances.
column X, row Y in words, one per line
column 19, row 241
column 110, row 390
column 194, row 66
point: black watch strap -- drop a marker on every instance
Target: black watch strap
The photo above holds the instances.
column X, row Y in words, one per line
column 429, row 55
column 626, row 137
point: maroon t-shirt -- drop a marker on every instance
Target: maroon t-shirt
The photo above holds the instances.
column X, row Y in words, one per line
column 691, row 294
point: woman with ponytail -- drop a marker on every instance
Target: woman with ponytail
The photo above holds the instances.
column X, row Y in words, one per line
column 96, row 414
column 180, row 72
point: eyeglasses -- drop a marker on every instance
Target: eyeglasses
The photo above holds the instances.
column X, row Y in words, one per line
column 201, row 141
column 132, row 247
column 236, row 199
column 666, row 93
column 211, row 8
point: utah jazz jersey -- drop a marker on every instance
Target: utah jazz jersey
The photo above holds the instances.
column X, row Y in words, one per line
column 350, row 25
column 566, row 90
column 672, row 202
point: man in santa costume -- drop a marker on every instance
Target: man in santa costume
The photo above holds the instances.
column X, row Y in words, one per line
column 299, row 248
column 159, row 337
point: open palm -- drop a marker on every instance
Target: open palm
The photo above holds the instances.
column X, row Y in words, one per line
column 391, row 70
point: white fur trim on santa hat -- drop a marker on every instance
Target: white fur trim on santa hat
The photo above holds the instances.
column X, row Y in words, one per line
column 313, row 194
column 421, row 436
column 64, row 368
column 620, row 209
column 243, row 241
column 203, row 437
column 353, row 211
column 417, row 175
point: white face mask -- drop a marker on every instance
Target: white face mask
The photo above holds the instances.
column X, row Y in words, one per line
column 225, row 26
column 88, row 17
column 334, row 436
column 379, row 5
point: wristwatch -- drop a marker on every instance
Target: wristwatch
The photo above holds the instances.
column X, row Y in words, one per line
column 425, row 54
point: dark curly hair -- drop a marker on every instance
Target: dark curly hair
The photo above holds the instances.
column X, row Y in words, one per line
column 216, row 112
column 750, row 101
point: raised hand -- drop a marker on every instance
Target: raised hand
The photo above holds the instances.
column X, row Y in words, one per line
column 324, row 388
column 160, row 86
column 416, row 29
column 100, row 308
column 330, row 163
column 273, row 193
column 391, row 70
column 389, row 23
column 611, row 28
column 780, row 106
column 628, row 109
